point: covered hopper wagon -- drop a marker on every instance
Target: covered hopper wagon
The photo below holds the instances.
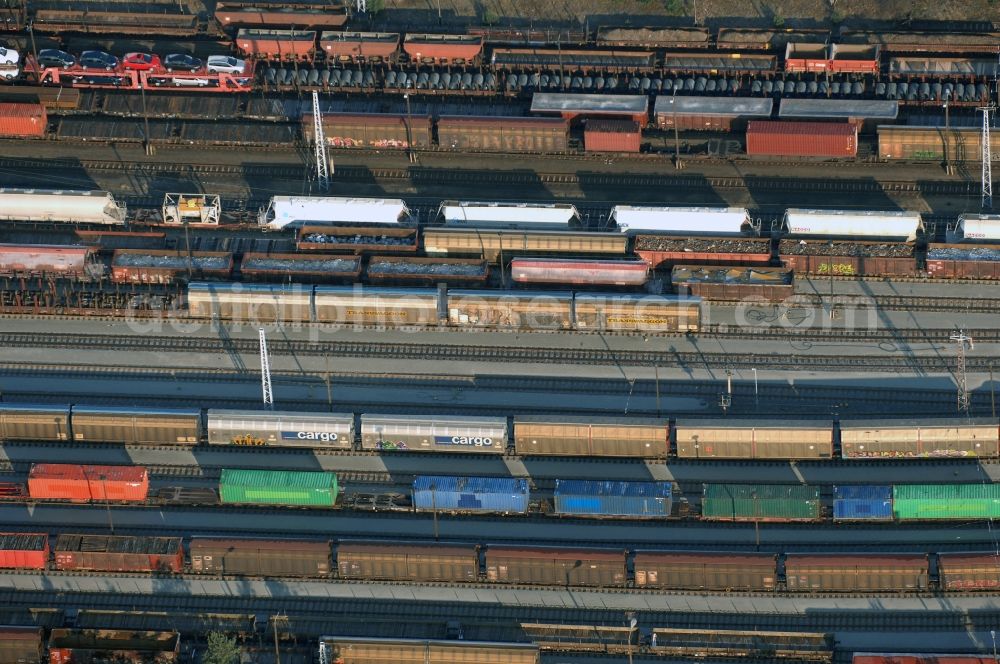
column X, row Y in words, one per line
column 73, row 207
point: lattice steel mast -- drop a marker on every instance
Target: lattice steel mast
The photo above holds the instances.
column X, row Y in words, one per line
column 322, row 165
column 265, row 371
column 987, row 157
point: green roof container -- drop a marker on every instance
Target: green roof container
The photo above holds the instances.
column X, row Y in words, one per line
column 946, row 501
column 760, row 502
column 278, row 487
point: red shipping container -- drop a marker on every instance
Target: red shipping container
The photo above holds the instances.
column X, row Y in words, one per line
column 612, row 136
column 24, row 550
column 22, row 120
column 86, row 483
column 802, row 139
column 109, row 553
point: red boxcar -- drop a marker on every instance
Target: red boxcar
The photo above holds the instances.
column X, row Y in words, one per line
column 802, row 139
column 24, row 550
column 22, row 120
column 85, row 483
column 578, row 271
column 969, row 571
column 109, row 553
column 300, row 16
column 612, row 136
column 443, row 48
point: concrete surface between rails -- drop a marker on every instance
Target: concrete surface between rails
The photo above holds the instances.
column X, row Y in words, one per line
column 512, row 598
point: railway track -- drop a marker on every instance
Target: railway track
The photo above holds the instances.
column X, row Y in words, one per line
column 892, row 342
column 458, row 177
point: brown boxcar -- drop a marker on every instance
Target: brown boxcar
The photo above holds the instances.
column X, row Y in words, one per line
column 360, row 650
column 276, row 44
column 736, row 292
column 24, row 551
column 386, row 131
column 357, row 239
column 360, row 46
column 250, row 557
column 19, row 120
column 108, row 553
column 502, row 244
column 612, row 136
column 300, row 268
column 850, row 266
column 383, row 307
column 140, row 426
column 442, row 49
column 33, row 422
column 652, row 313
column 21, row 645
column 960, row 144
column 969, row 571
column 705, row 571
column 140, row 266
column 715, row 439
column 654, row 37
column 555, row 567
column 892, row 439
column 855, row 572
column 802, row 139
column 76, row 646
column 110, row 20
column 551, row 311
column 646, row 439
column 503, row 134
column 428, row 271
column 49, row 97
column 404, row 562
column 279, row 15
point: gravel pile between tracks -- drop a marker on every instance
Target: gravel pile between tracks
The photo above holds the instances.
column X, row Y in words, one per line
column 172, row 262
column 864, row 249
column 709, row 245
column 969, row 254
column 401, row 267
column 318, row 238
column 304, row 264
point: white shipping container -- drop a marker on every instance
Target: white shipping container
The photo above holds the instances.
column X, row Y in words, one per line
column 286, row 211
column 74, row 207
column 686, row 220
column 498, row 215
column 976, row 227
column 901, row 225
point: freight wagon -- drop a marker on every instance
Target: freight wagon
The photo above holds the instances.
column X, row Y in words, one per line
column 363, row 650
column 579, row 272
column 417, row 433
column 72, row 207
column 548, row 436
column 264, row 429
column 280, row 14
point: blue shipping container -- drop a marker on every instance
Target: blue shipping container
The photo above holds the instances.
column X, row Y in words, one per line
column 862, row 503
column 470, row 494
column 589, row 497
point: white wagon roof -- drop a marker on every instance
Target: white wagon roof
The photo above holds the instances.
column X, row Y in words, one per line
column 853, row 223
column 978, row 227
column 285, row 210
column 703, row 220
column 480, row 212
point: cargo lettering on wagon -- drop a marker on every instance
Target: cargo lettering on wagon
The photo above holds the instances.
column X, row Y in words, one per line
column 464, row 441
column 324, row 436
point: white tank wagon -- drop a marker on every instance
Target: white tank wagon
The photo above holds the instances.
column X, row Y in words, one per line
column 424, row 433
column 685, row 220
column 251, row 428
column 508, row 215
column 976, row 228
column 894, row 224
column 69, row 207
column 294, row 211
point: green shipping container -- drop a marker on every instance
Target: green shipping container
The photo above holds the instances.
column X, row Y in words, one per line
column 946, row 501
column 760, row 502
column 278, row 487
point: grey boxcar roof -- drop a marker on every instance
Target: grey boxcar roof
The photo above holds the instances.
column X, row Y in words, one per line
column 720, row 106
column 839, row 108
column 557, row 102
